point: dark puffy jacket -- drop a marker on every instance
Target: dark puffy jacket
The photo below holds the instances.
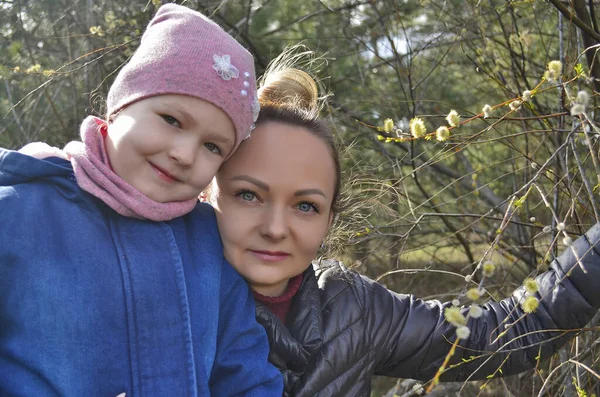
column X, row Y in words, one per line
column 344, row 328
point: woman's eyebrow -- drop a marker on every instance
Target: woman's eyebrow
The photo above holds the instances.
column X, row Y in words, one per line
column 306, row 192
column 255, row 181
column 264, row 186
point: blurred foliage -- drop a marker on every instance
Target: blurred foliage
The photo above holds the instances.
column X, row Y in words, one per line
column 496, row 190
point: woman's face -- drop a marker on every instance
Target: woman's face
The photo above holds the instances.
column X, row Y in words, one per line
column 273, row 203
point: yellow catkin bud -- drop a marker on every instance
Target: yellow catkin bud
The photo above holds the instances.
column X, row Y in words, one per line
column 487, row 111
column 417, row 127
column 388, row 125
column 34, row 69
column 515, row 105
column 97, row 31
column 442, row 133
column 454, row 316
column 554, row 71
column 577, row 109
column 530, row 304
column 555, row 67
column 462, row 332
column 453, row 118
column 473, row 293
column 530, row 285
column 488, row 268
column 475, row 311
column 583, row 98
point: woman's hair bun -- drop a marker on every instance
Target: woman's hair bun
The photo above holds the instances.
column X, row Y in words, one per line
column 289, row 88
column 286, row 85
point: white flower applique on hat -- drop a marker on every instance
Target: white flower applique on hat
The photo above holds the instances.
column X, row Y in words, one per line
column 224, row 67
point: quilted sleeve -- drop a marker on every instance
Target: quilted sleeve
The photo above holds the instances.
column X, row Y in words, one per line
column 412, row 337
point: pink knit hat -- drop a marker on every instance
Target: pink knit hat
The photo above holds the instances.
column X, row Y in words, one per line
column 183, row 52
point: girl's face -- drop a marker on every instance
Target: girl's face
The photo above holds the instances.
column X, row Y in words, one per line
column 273, row 203
column 169, row 147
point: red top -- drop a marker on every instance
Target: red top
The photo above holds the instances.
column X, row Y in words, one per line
column 280, row 305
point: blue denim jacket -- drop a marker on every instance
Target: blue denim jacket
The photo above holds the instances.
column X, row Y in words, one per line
column 96, row 304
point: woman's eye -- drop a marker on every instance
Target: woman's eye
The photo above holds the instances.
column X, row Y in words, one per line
column 212, row 147
column 247, row 196
column 307, row 207
column 171, row 120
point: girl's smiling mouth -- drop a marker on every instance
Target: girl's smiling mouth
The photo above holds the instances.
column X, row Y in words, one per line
column 163, row 174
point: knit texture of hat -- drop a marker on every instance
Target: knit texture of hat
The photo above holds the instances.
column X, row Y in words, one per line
column 183, row 52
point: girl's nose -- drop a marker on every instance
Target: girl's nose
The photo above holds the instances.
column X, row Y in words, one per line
column 183, row 152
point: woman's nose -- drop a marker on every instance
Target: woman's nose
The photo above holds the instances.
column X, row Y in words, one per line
column 275, row 224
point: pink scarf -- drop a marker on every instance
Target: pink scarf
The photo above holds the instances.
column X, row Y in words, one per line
column 95, row 176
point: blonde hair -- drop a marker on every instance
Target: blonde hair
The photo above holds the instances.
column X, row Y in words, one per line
column 291, row 88
column 285, row 83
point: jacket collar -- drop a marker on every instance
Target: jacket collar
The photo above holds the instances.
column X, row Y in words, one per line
column 292, row 346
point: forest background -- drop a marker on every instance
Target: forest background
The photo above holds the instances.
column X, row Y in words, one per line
column 468, row 131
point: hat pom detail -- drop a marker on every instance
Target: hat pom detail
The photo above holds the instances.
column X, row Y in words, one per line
column 255, row 108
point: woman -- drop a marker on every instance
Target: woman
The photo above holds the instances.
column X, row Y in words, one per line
column 331, row 329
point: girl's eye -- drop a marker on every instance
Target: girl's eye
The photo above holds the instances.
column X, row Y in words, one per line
column 212, row 147
column 307, row 207
column 171, row 120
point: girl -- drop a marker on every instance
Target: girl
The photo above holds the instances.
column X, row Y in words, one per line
column 331, row 329
column 112, row 278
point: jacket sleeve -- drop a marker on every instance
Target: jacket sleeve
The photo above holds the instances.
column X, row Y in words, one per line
column 241, row 366
column 413, row 338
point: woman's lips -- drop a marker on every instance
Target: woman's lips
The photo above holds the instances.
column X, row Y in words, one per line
column 164, row 175
column 270, row 256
